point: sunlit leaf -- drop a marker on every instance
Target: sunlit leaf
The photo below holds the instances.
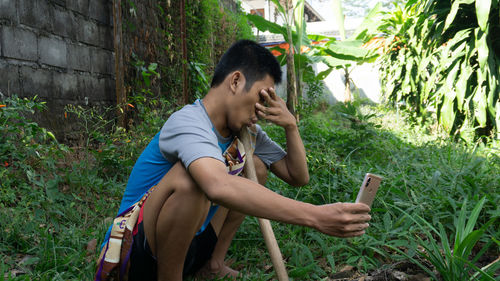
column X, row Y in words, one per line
column 339, row 17
column 264, row 25
column 369, row 24
column 482, row 48
column 447, row 116
column 483, row 13
column 479, row 100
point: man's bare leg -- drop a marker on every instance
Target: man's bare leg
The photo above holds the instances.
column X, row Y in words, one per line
column 226, row 224
column 173, row 213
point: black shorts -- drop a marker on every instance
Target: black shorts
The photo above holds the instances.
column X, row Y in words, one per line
column 143, row 264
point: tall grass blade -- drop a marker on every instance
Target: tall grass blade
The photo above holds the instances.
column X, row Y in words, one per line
column 415, row 261
column 460, row 228
column 474, row 215
column 477, row 269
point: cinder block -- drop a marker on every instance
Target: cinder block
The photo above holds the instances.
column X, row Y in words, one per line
column 37, row 82
column 99, row 90
column 78, row 30
column 106, row 37
column 9, row 83
column 64, row 23
column 101, row 61
column 53, row 52
column 100, row 10
column 90, row 33
column 79, row 57
column 110, row 92
column 84, row 85
column 80, row 6
column 91, row 87
column 19, row 43
column 36, row 14
column 8, row 9
column 65, row 86
column 60, row 2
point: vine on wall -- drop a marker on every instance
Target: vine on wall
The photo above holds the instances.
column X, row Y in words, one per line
column 152, row 42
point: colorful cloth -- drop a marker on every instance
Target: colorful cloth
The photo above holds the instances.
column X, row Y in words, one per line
column 114, row 260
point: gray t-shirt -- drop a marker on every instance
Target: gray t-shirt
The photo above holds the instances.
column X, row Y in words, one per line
column 189, row 135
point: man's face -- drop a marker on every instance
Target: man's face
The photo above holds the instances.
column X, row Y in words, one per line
column 242, row 112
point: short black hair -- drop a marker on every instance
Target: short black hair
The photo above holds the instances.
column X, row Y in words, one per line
column 252, row 59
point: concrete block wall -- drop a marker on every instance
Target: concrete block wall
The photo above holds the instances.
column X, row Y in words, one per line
column 59, row 50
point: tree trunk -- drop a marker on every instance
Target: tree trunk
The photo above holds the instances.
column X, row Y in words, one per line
column 121, row 98
column 185, row 85
column 291, row 76
column 347, row 92
column 291, row 101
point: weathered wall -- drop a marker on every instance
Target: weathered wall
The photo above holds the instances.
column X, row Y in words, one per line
column 59, row 50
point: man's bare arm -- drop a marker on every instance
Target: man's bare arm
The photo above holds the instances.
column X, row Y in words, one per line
column 293, row 168
column 245, row 196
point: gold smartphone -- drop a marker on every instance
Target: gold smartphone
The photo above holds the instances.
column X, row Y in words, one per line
column 368, row 189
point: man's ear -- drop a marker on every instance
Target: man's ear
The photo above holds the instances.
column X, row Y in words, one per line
column 237, row 80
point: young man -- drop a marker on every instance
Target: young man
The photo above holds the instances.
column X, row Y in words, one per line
column 189, row 219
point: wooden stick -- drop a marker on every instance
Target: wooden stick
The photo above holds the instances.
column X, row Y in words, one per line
column 265, row 224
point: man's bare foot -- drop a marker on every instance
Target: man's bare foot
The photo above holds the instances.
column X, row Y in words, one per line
column 213, row 269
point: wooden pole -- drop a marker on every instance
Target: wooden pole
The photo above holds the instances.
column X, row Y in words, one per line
column 265, row 225
column 184, row 53
column 121, row 98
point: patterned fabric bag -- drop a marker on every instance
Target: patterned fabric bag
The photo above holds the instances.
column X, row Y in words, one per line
column 114, row 260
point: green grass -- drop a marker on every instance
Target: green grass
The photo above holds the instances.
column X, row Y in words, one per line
column 55, row 199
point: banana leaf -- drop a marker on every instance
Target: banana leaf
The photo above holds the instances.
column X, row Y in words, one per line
column 264, row 25
column 369, row 25
column 339, row 16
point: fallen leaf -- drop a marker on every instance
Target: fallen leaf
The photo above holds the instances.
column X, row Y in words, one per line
column 91, row 246
column 346, row 268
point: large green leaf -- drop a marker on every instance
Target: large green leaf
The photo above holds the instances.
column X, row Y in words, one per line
column 479, row 101
column 461, row 89
column 482, row 47
column 264, row 25
column 348, row 50
column 483, row 13
column 451, row 77
column 453, row 12
column 497, row 118
column 318, row 38
column 336, row 63
column 300, row 25
column 369, row 24
column 339, row 16
column 447, row 116
column 278, row 5
column 493, row 81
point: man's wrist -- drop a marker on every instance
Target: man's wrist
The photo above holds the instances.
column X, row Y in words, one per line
column 291, row 125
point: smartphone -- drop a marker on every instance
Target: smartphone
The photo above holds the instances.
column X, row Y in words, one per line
column 368, row 189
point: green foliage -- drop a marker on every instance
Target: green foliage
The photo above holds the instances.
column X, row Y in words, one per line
column 153, row 53
column 54, row 203
column 454, row 262
column 424, row 174
column 24, row 146
column 145, row 76
column 444, row 56
column 210, row 32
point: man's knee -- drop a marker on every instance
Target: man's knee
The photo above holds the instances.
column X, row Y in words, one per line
column 179, row 180
column 260, row 170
